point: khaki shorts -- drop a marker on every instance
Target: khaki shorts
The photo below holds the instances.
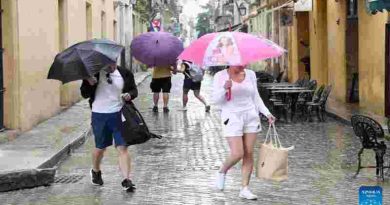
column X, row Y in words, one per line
column 236, row 124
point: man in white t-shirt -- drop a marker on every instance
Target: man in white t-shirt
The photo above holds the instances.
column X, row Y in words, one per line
column 107, row 91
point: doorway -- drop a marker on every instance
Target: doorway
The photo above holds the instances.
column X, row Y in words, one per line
column 303, row 45
column 352, row 51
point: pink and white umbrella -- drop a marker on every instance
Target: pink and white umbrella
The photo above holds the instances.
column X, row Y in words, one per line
column 230, row 48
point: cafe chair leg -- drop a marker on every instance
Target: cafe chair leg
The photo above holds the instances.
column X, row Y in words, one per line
column 359, row 162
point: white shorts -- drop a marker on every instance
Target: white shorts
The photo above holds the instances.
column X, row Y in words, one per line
column 236, row 124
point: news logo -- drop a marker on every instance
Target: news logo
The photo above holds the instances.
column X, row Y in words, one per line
column 370, row 195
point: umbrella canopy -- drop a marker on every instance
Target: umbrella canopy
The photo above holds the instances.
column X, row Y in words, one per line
column 156, row 48
column 230, row 48
column 84, row 60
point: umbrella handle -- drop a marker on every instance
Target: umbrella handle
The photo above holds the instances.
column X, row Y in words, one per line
column 229, row 94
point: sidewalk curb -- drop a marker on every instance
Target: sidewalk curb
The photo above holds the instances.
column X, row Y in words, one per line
column 66, row 150
column 44, row 174
column 338, row 118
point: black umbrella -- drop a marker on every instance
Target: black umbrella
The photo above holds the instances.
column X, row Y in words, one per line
column 84, row 60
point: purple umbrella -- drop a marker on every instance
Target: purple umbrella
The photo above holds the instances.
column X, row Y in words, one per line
column 156, row 48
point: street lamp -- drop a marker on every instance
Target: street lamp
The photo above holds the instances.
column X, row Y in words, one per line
column 242, row 9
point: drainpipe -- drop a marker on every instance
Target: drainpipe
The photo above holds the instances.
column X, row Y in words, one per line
column 1, row 74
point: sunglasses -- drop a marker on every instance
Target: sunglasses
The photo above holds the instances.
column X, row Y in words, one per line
column 109, row 80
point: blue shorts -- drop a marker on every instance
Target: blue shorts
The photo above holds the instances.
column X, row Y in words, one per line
column 106, row 128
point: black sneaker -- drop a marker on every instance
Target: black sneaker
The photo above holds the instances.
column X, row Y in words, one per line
column 155, row 109
column 128, row 185
column 96, row 178
column 166, row 109
column 208, row 108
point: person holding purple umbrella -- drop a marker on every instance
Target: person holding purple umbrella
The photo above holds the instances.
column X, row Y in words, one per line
column 240, row 121
column 161, row 82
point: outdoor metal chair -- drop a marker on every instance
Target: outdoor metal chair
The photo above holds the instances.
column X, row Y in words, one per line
column 280, row 109
column 305, row 97
column 305, row 83
column 301, row 103
column 319, row 106
column 299, row 82
column 263, row 77
column 370, row 132
column 280, row 77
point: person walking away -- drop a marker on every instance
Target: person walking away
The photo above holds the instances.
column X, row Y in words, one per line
column 107, row 92
column 240, row 121
column 193, row 83
column 161, row 82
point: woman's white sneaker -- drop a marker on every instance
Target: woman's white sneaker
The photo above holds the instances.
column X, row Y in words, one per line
column 247, row 194
column 220, row 181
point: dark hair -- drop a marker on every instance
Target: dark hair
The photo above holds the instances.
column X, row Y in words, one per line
column 186, row 64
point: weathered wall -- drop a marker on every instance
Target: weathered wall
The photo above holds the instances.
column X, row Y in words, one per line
column 336, row 21
column 33, row 34
column 372, row 60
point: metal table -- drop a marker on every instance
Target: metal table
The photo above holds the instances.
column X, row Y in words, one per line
column 293, row 94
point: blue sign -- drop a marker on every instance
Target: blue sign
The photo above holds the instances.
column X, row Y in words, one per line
column 370, row 195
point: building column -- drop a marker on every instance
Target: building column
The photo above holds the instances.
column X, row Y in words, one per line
column 293, row 73
column 275, row 38
column 319, row 42
column 372, row 57
column 337, row 69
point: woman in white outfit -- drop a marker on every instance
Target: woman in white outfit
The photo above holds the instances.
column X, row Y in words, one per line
column 240, row 120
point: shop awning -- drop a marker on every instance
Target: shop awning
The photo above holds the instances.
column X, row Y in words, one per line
column 374, row 6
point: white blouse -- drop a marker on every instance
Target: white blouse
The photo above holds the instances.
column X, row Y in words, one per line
column 245, row 95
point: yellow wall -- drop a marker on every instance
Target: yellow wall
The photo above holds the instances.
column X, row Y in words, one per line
column 37, row 47
column 77, row 31
column 336, row 12
column 290, row 53
column 372, row 60
column 10, row 63
column 32, row 39
column 293, row 73
column 319, row 42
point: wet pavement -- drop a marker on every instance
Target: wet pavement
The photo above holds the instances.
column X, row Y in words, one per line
column 180, row 168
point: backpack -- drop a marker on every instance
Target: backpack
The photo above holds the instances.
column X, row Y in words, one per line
column 133, row 126
column 196, row 73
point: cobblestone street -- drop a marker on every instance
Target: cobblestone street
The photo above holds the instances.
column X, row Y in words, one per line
column 180, row 168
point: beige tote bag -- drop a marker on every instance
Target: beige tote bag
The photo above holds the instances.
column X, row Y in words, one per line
column 273, row 157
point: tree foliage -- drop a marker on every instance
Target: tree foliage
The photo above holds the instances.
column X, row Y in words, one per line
column 143, row 7
column 203, row 25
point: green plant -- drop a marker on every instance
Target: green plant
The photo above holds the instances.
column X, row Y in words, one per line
column 143, row 7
